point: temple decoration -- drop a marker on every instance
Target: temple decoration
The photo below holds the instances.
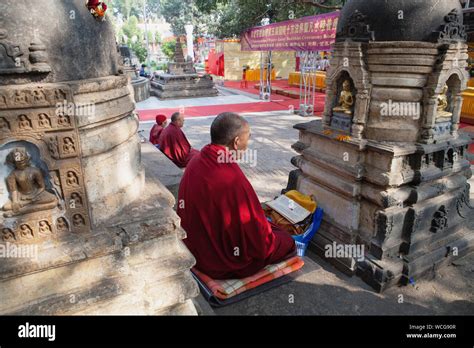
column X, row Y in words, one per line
column 26, row 186
column 346, row 99
column 443, row 104
column 97, row 9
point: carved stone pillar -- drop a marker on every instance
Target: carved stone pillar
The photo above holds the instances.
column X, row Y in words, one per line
column 102, row 234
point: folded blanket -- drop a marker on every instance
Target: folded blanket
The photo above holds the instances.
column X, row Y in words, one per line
column 224, row 289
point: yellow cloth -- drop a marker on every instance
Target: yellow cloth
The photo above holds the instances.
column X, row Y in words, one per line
column 305, row 201
column 254, row 74
column 295, row 77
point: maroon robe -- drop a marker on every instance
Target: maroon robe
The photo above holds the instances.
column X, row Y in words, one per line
column 227, row 231
column 155, row 134
column 175, row 146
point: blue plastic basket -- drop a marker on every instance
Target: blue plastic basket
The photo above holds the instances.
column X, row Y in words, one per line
column 301, row 248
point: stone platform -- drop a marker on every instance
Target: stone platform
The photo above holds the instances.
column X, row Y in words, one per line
column 169, row 86
column 181, row 80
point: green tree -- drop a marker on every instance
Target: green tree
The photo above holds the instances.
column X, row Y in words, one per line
column 134, row 38
column 168, row 49
column 236, row 16
column 178, row 13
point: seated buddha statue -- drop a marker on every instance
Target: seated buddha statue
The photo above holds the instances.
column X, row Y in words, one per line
column 26, row 186
column 443, row 103
column 346, row 99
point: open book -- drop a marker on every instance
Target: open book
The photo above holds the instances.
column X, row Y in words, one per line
column 288, row 208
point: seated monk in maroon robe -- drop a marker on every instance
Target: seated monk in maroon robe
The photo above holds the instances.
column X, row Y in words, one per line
column 227, row 231
column 173, row 142
column 157, row 129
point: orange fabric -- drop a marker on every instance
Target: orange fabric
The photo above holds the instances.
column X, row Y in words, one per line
column 225, row 289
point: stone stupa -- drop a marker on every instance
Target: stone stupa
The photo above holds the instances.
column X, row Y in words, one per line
column 95, row 229
column 181, row 80
column 387, row 163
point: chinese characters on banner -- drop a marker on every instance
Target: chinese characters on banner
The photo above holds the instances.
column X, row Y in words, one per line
column 314, row 33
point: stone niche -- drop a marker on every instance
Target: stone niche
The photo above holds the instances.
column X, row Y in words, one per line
column 390, row 168
column 101, row 232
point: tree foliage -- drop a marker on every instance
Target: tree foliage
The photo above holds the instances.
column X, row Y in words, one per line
column 128, row 8
column 134, row 37
column 236, row 16
column 178, row 13
column 168, row 48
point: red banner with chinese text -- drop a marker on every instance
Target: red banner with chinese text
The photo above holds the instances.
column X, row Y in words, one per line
column 313, row 33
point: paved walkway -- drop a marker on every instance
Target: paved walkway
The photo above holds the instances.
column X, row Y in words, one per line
column 323, row 290
column 155, row 103
column 270, row 144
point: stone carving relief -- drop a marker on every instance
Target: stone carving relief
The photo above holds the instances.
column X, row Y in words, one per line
column 40, row 96
column 71, row 179
column 8, row 235
column 75, row 201
column 440, row 220
column 64, row 120
column 453, row 29
column 53, row 147
column 463, row 204
column 26, row 186
column 78, row 220
column 41, row 181
column 20, row 98
column 38, row 57
column 68, row 146
column 44, row 121
column 4, row 125
column 62, row 225
column 26, row 232
column 44, row 227
column 24, row 123
column 10, row 56
column 356, row 29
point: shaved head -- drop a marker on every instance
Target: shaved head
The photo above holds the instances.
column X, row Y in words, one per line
column 177, row 119
column 226, row 127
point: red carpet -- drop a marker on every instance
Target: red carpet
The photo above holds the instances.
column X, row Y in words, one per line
column 281, row 103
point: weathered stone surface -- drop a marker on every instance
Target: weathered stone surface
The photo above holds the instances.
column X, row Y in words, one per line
column 395, row 180
column 68, row 62
column 368, row 19
column 103, row 235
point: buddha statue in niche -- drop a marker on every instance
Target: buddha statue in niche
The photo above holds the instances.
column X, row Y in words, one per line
column 443, row 104
column 346, row 99
column 26, row 186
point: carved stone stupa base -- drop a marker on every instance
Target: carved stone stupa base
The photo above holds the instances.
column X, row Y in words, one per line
column 137, row 264
column 85, row 227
